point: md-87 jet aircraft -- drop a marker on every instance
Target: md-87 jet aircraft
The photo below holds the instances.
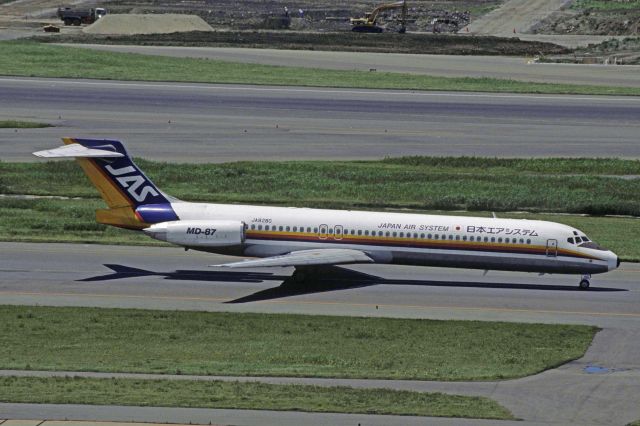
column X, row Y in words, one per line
column 308, row 239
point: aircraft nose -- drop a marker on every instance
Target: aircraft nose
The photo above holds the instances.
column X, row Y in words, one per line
column 614, row 261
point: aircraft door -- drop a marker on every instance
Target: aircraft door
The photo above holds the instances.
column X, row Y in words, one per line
column 338, row 233
column 552, row 248
column 323, row 232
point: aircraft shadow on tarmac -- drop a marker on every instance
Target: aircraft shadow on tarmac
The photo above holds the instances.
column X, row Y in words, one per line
column 333, row 278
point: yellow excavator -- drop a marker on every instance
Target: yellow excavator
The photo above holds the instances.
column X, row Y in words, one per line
column 368, row 23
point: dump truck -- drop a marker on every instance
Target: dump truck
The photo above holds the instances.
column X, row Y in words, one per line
column 71, row 16
column 368, row 24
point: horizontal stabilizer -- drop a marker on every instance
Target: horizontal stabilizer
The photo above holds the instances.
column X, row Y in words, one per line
column 75, row 150
column 304, row 258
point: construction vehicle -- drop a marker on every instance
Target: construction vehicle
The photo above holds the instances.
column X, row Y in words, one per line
column 368, row 24
column 71, row 16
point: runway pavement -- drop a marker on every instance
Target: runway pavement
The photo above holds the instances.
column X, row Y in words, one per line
column 601, row 388
column 217, row 123
column 503, row 67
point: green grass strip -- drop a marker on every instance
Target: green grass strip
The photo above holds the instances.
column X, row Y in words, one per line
column 206, row 343
column 22, row 58
column 239, row 395
column 605, row 4
column 589, row 186
column 14, row 124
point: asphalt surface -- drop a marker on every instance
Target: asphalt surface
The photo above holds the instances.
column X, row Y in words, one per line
column 217, row 123
column 503, row 67
column 601, row 388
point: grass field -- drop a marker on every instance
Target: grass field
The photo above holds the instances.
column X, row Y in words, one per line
column 236, row 395
column 605, row 4
column 14, row 124
column 590, row 186
column 125, row 340
column 20, row 58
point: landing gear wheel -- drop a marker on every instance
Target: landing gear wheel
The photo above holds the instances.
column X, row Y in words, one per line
column 584, row 284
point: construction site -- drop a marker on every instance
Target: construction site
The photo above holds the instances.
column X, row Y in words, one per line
column 552, row 29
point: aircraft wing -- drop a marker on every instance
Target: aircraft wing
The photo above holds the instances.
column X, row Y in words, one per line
column 305, row 258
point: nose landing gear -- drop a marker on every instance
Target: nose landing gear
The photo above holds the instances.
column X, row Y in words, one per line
column 585, row 282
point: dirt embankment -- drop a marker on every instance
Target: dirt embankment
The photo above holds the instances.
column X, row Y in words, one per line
column 386, row 42
column 617, row 18
column 147, row 24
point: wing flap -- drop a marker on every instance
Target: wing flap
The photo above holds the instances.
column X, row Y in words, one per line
column 76, row 150
column 305, row 258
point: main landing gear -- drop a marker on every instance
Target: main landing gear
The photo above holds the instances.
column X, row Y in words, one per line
column 585, row 282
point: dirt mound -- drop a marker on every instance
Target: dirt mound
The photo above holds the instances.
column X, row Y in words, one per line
column 129, row 24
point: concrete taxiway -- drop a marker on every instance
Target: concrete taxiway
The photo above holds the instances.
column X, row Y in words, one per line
column 503, row 67
column 217, row 123
column 600, row 388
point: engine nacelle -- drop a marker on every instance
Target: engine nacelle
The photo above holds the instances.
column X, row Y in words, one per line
column 199, row 233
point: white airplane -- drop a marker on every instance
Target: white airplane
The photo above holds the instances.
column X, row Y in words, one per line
column 310, row 238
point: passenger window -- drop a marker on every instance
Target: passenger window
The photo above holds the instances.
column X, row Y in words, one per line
column 464, row 238
column 451, row 237
column 514, row 240
column 314, row 229
column 308, row 229
column 500, row 239
column 521, row 241
column 288, row 229
column 421, row 235
column 457, row 237
column 429, row 236
column 380, row 233
column 353, row 232
column 295, row 229
column 388, row 233
column 259, row 227
column 395, row 234
column 528, row 241
column 435, row 237
column 415, row 235
column 331, row 230
column 266, row 227
column 493, row 239
column 401, row 234
column 280, row 228
column 486, row 239
column 253, row 227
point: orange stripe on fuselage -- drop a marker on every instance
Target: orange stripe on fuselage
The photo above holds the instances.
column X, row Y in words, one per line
column 417, row 243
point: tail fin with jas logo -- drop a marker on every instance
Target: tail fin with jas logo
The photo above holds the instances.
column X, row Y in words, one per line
column 134, row 201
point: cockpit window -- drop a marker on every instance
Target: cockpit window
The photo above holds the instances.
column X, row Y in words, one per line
column 584, row 242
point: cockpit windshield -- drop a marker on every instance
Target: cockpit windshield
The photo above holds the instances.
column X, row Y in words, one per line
column 583, row 241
